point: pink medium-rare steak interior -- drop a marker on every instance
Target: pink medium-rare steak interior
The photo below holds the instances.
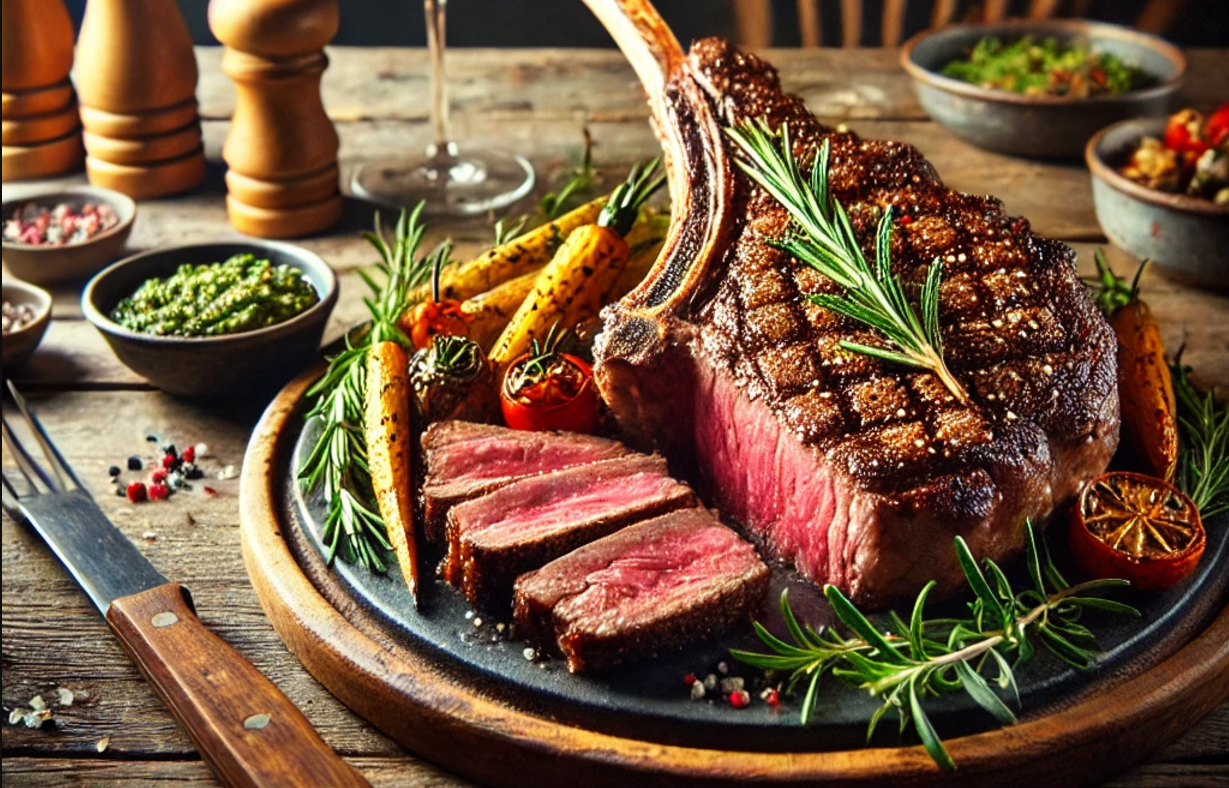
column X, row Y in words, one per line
column 520, row 527
column 858, row 472
column 464, row 460
column 649, row 587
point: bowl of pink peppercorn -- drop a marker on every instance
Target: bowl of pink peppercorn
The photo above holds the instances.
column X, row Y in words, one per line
column 65, row 233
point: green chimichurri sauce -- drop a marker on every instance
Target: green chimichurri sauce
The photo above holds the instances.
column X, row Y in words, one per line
column 1047, row 67
column 241, row 294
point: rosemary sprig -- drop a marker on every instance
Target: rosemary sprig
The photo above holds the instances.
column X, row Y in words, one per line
column 826, row 241
column 337, row 462
column 1203, row 457
column 920, row 659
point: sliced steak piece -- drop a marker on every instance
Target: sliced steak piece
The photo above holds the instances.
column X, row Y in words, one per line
column 496, row 537
column 645, row 590
column 857, row 472
column 464, row 460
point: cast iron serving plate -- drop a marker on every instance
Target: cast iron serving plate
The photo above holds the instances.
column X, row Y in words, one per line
column 465, row 696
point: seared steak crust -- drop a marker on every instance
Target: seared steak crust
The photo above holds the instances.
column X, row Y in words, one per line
column 909, row 466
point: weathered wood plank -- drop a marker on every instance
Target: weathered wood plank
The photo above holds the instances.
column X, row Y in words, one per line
column 598, row 85
column 382, row 772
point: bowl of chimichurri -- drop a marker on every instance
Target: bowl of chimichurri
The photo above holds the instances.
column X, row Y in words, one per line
column 212, row 320
column 1040, row 88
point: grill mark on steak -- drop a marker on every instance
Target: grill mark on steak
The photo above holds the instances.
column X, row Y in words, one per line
column 890, row 463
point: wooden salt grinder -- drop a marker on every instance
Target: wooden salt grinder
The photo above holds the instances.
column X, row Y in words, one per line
column 136, row 76
column 282, row 147
column 41, row 130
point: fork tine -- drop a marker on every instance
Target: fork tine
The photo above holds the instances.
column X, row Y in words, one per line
column 58, row 466
column 25, row 463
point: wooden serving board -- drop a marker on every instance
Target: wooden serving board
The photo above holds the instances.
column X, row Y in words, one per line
column 465, row 715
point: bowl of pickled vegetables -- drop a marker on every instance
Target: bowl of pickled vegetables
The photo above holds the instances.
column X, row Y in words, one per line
column 1040, row 88
column 210, row 320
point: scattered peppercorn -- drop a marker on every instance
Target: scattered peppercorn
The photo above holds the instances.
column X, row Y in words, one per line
column 113, row 471
column 169, row 461
column 189, row 455
column 771, row 697
column 689, row 679
column 740, row 699
column 158, row 491
column 135, row 464
column 136, row 492
column 159, row 475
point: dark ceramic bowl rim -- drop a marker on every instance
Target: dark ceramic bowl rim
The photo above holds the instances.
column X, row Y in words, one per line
column 104, row 323
column 1102, row 171
column 1074, row 26
column 58, row 195
column 43, row 302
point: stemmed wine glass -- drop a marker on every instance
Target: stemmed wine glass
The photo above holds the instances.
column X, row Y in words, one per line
column 453, row 180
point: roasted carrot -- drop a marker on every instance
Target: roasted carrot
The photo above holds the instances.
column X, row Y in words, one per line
column 1145, row 386
column 583, row 272
column 525, row 253
column 387, row 430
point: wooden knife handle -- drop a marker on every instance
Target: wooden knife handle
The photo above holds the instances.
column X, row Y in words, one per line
column 242, row 724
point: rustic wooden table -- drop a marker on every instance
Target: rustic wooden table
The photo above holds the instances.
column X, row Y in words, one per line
column 532, row 101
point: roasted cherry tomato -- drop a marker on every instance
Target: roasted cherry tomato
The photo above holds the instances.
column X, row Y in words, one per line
column 1216, row 129
column 548, row 390
column 431, row 319
column 436, row 316
column 1184, row 133
column 1138, row 528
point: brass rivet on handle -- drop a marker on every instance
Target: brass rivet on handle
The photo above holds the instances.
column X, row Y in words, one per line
column 164, row 619
column 256, row 722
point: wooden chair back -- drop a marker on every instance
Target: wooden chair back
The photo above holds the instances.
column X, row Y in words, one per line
column 753, row 18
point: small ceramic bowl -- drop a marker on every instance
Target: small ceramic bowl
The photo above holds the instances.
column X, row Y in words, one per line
column 1185, row 236
column 248, row 363
column 48, row 265
column 20, row 345
column 1041, row 126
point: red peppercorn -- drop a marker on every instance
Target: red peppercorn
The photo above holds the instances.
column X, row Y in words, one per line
column 740, row 699
column 158, row 492
column 689, row 679
column 189, row 454
column 159, row 475
column 772, row 697
column 169, row 460
column 212, row 493
column 905, row 220
column 136, row 492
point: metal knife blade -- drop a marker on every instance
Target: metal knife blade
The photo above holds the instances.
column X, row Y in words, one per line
column 101, row 559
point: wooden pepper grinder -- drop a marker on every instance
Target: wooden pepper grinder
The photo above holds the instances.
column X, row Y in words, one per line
column 282, row 147
column 41, row 130
column 136, row 76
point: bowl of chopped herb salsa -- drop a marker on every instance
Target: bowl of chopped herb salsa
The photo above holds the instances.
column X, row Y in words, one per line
column 1040, row 88
column 58, row 234
column 212, row 320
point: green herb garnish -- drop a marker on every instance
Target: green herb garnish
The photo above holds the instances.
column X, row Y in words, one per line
column 337, row 462
column 1203, row 455
column 1046, row 67
column 826, row 241
column 920, row 659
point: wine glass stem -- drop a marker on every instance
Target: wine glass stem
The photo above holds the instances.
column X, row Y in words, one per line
column 435, row 12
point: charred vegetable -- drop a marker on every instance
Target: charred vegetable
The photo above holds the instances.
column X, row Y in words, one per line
column 437, row 315
column 452, row 379
column 1135, row 527
column 572, row 286
column 549, row 390
column 388, row 433
column 522, row 254
column 1146, row 394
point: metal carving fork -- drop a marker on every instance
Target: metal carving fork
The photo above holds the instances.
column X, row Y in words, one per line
column 242, row 724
